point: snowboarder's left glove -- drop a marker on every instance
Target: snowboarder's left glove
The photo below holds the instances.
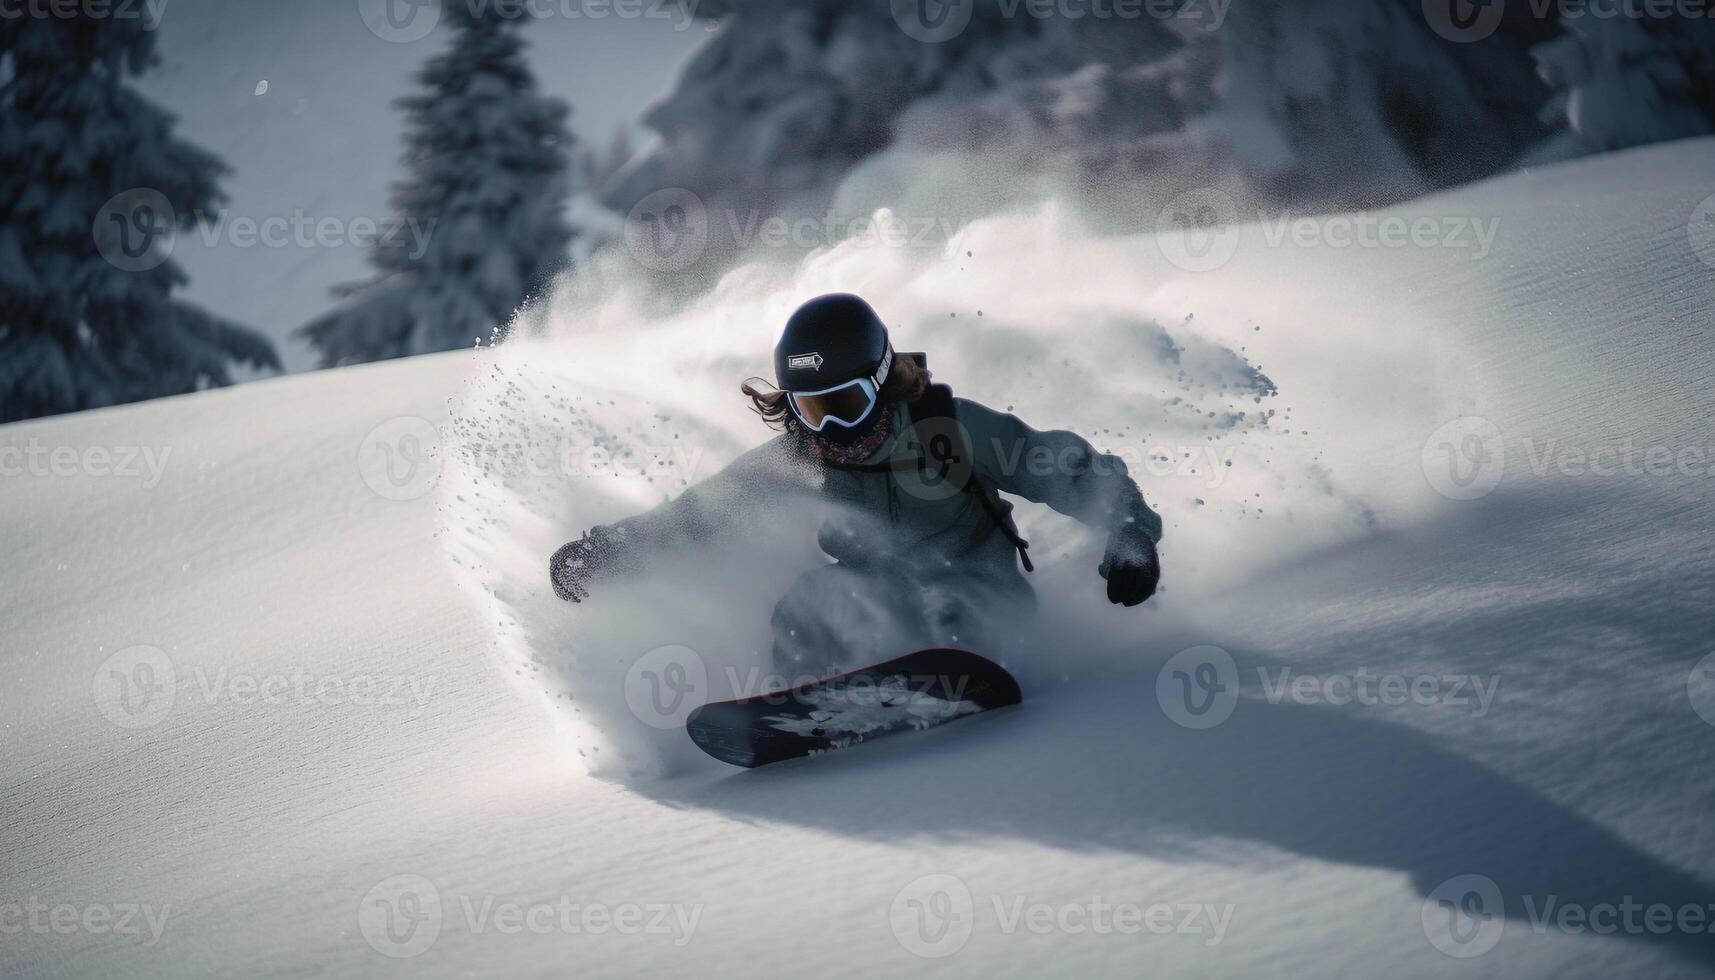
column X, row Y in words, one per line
column 1131, row 566
column 577, row 562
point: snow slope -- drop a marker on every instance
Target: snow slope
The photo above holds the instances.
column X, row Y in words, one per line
column 409, row 714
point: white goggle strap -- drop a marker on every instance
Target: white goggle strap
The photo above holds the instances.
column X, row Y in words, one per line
column 885, row 366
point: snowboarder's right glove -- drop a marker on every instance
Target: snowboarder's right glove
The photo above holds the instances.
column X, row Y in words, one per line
column 577, row 562
column 1131, row 566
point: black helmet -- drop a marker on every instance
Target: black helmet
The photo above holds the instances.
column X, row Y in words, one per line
column 830, row 340
column 831, row 361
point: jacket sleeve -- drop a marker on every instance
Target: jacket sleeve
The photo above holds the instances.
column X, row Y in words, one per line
column 1056, row 468
column 743, row 488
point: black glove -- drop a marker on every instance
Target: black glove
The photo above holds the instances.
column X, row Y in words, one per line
column 1131, row 566
column 576, row 563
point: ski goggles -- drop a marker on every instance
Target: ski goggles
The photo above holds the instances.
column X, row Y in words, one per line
column 845, row 405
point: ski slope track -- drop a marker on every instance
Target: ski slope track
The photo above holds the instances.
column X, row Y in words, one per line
column 343, row 688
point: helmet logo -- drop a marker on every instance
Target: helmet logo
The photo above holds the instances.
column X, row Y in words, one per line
column 812, row 360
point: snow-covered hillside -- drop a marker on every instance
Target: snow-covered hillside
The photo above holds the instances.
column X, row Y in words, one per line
column 268, row 649
column 798, row 105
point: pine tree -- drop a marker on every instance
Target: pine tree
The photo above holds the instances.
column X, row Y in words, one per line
column 486, row 157
column 93, row 185
column 1624, row 81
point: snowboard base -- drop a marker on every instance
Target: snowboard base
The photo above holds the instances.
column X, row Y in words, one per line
column 917, row 691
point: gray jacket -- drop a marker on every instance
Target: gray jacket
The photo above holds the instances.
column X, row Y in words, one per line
column 904, row 518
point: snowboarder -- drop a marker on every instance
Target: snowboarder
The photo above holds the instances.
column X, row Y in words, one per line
column 924, row 550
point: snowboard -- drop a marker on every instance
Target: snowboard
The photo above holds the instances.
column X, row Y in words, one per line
column 910, row 693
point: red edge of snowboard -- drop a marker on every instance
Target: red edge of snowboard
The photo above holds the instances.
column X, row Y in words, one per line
column 734, row 731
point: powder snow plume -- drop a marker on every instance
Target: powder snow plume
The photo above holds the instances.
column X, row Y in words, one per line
column 598, row 409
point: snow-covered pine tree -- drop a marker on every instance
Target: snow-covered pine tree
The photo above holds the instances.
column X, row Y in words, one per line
column 92, row 185
column 486, row 159
column 1626, row 81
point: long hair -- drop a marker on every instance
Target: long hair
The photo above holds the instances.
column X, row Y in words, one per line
column 906, row 382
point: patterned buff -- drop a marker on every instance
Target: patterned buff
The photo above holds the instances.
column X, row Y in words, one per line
column 853, row 453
